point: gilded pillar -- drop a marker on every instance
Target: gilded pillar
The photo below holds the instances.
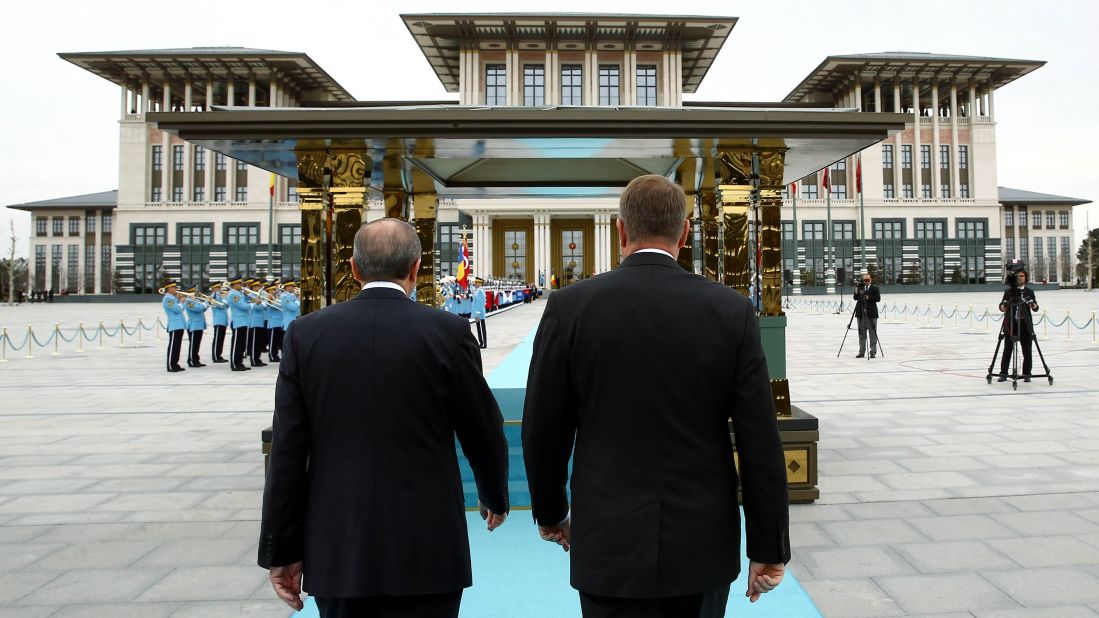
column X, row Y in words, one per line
column 424, row 208
column 687, row 177
column 708, row 213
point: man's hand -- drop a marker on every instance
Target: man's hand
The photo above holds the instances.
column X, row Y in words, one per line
column 495, row 520
column 560, row 534
column 763, row 578
column 287, row 583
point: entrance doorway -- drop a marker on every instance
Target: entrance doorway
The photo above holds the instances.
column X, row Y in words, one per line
column 573, row 249
column 513, row 249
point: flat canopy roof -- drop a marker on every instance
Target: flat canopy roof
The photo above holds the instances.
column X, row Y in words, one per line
column 1010, row 196
column 490, row 151
column 104, row 200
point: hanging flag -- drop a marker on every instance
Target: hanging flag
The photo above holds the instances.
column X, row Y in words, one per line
column 827, row 185
column 271, row 187
column 793, row 189
column 858, row 174
column 463, row 266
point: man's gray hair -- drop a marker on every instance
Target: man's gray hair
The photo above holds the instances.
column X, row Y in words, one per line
column 385, row 250
column 653, row 208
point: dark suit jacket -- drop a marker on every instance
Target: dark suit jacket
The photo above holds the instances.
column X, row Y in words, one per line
column 363, row 483
column 1024, row 311
column 643, row 367
column 870, row 302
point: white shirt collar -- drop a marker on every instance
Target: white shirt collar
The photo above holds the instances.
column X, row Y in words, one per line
column 652, row 250
column 384, row 284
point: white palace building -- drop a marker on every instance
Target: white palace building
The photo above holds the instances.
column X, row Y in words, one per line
column 932, row 211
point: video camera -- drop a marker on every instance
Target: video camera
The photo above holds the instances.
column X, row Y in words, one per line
column 1013, row 268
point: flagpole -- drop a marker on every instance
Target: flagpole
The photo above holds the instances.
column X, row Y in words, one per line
column 862, row 218
column 829, row 253
column 271, row 228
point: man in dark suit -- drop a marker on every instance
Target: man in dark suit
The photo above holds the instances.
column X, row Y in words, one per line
column 363, row 491
column 1018, row 325
column 642, row 368
column 867, row 297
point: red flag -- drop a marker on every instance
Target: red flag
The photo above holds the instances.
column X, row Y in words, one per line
column 793, row 189
column 858, row 175
column 463, row 266
column 827, row 185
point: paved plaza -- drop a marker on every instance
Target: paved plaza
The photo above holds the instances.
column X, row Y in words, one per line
column 128, row 491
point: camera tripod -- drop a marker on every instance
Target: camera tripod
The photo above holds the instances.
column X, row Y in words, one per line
column 860, row 310
column 1010, row 331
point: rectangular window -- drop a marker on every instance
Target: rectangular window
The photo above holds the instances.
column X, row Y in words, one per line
column 177, row 158
column 177, row 194
column 534, row 85
column 963, row 190
column 149, row 235
column 907, row 192
column 1062, row 219
column 241, row 165
column 1009, row 248
column 906, row 156
column 646, row 84
column 59, row 226
column 496, row 84
column 809, row 191
column 972, row 228
column 1049, row 219
column 888, row 229
column 839, row 192
column 242, row 234
column 925, row 156
column 200, row 159
column 609, row 84
column 89, row 269
column 1051, row 246
column 930, row 229
column 242, row 194
column 158, row 158
column 55, row 267
column 812, row 230
column 1009, row 218
column 290, row 234
column 944, row 190
column 40, row 225
column 926, row 192
column 196, row 234
column 74, row 226
column 72, row 271
column 154, row 194
column 787, row 230
column 219, row 162
column 840, row 165
column 944, row 157
column 219, row 194
column 963, row 157
column 89, row 223
column 888, row 192
column 200, row 194
column 106, row 279
column 887, row 155
column 843, row 230
column 39, row 267
column 1066, row 258
column 1024, row 254
column 1036, row 220
column 108, row 221
column 572, row 84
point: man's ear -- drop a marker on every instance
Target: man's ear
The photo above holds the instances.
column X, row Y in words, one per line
column 622, row 240
column 358, row 276
column 685, row 234
column 414, row 270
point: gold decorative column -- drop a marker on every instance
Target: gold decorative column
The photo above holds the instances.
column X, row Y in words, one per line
column 687, row 177
column 709, row 212
column 424, row 209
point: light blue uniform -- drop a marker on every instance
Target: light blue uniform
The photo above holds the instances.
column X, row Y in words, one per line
column 258, row 319
column 291, row 306
column 196, row 314
column 479, row 300
column 174, row 310
column 450, row 305
column 242, row 309
column 220, row 313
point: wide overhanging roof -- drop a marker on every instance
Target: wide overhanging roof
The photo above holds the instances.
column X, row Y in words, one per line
column 441, row 36
column 486, row 151
column 104, row 200
column 835, row 72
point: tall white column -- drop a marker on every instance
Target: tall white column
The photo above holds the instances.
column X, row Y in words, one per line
column 475, row 87
column 936, row 190
column 971, row 109
column 125, row 102
column 917, row 154
column 209, row 97
column 187, row 96
column 251, row 92
column 166, row 105
column 858, row 94
column 145, row 105
column 231, row 91
column 954, row 139
column 991, row 105
column 877, row 95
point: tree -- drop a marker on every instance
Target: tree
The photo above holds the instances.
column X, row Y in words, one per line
column 11, row 263
column 914, row 276
column 1082, row 258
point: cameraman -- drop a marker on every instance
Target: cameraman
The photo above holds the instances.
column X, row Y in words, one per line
column 1025, row 303
column 867, row 297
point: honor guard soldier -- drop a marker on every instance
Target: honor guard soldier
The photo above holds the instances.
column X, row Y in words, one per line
column 257, row 325
column 274, row 322
column 290, row 302
column 450, row 305
column 174, row 310
column 241, row 313
column 478, row 313
column 219, row 309
column 196, row 326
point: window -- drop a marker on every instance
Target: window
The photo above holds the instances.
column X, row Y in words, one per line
column 843, row 230
column 1009, row 248
column 242, row 234
column 888, row 229
column 906, row 156
column 242, row 194
column 108, row 220
column 787, row 230
column 1062, row 219
column 177, row 158
column 59, row 226
column 219, row 162
column 809, row 190
column 55, row 267
column 105, row 280
column 196, row 234
column 972, row 228
column 944, row 157
column 1051, row 245
column 963, row 157
column 944, row 190
column 839, row 192
column 177, row 194
column 887, row 155
column 1036, row 220
column 290, row 234
column 646, row 84
column 839, row 166
column 1009, row 217
column 158, row 158
column 200, row 159
column 74, row 226
column 1024, row 255
column 154, row 195
column 907, row 191
column 72, row 269
column 930, row 229
column 1049, row 219
column 812, row 230
column 572, row 84
column 200, row 194
column 292, row 194
column 39, row 267
column 609, row 84
column 1022, row 216
column 89, row 269
column 1066, row 258
column 926, row 191
column 89, row 223
column 496, row 84
column 887, row 191
column 241, row 165
column 40, row 225
column 219, row 194
column 144, row 235
column 963, row 190
column 925, row 156
column 534, row 85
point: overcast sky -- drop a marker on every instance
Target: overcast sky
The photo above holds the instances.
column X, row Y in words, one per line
column 60, row 130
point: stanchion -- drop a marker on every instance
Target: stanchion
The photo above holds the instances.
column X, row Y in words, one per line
column 1045, row 326
column 101, row 334
column 80, row 338
column 1093, row 340
column 972, row 325
column 1068, row 325
column 988, row 319
column 139, row 330
column 30, row 341
column 4, row 345
column 956, row 318
column 56, row 338
column 121, row 334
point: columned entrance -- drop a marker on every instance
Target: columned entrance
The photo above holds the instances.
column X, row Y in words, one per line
column 573, row 249
column 513, row 247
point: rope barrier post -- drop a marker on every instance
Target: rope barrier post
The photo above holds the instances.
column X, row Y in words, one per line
column 987, row 318
column 121, row 334
column 100, row 334
column 1093, row 340
column 956, row 319
column 56, row 338
column 80, row 338
column 139, row 330
column 1068, row 325
column 1045, row 326
column 4, row 345
column 929, row 315
column 30, row 341
column 972, row 326
column 942, row 317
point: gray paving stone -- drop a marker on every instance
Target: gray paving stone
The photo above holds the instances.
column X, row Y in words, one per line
column 40, row 611
column 104, row 554
column 1034, row 552
column 186, row 515
column 15, row 534
column 851, row 598
column 872, row 532
column 840, row 562
column 942, row 464
column 138, row 484
column 94, row 585
column 51, row 518
column 944, row 593
column 211, row 583
column 961, row 527
column 888, row 510
column 1042, row 523
column 264, row 609
column 1048, row 502
column 234, row 500
column 165, row 500
column 1048, row 586
column 952, row 556
column 53, row 503
column 199, row 552
column 24, row 555
column 1060, row 611
column 927, row 480
column 969, row 506
column 116, row 610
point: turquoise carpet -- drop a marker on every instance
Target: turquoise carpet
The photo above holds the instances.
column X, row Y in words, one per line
column 518, row 575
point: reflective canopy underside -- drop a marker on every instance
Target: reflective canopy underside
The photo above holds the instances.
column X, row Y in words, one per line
column 555, row 151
